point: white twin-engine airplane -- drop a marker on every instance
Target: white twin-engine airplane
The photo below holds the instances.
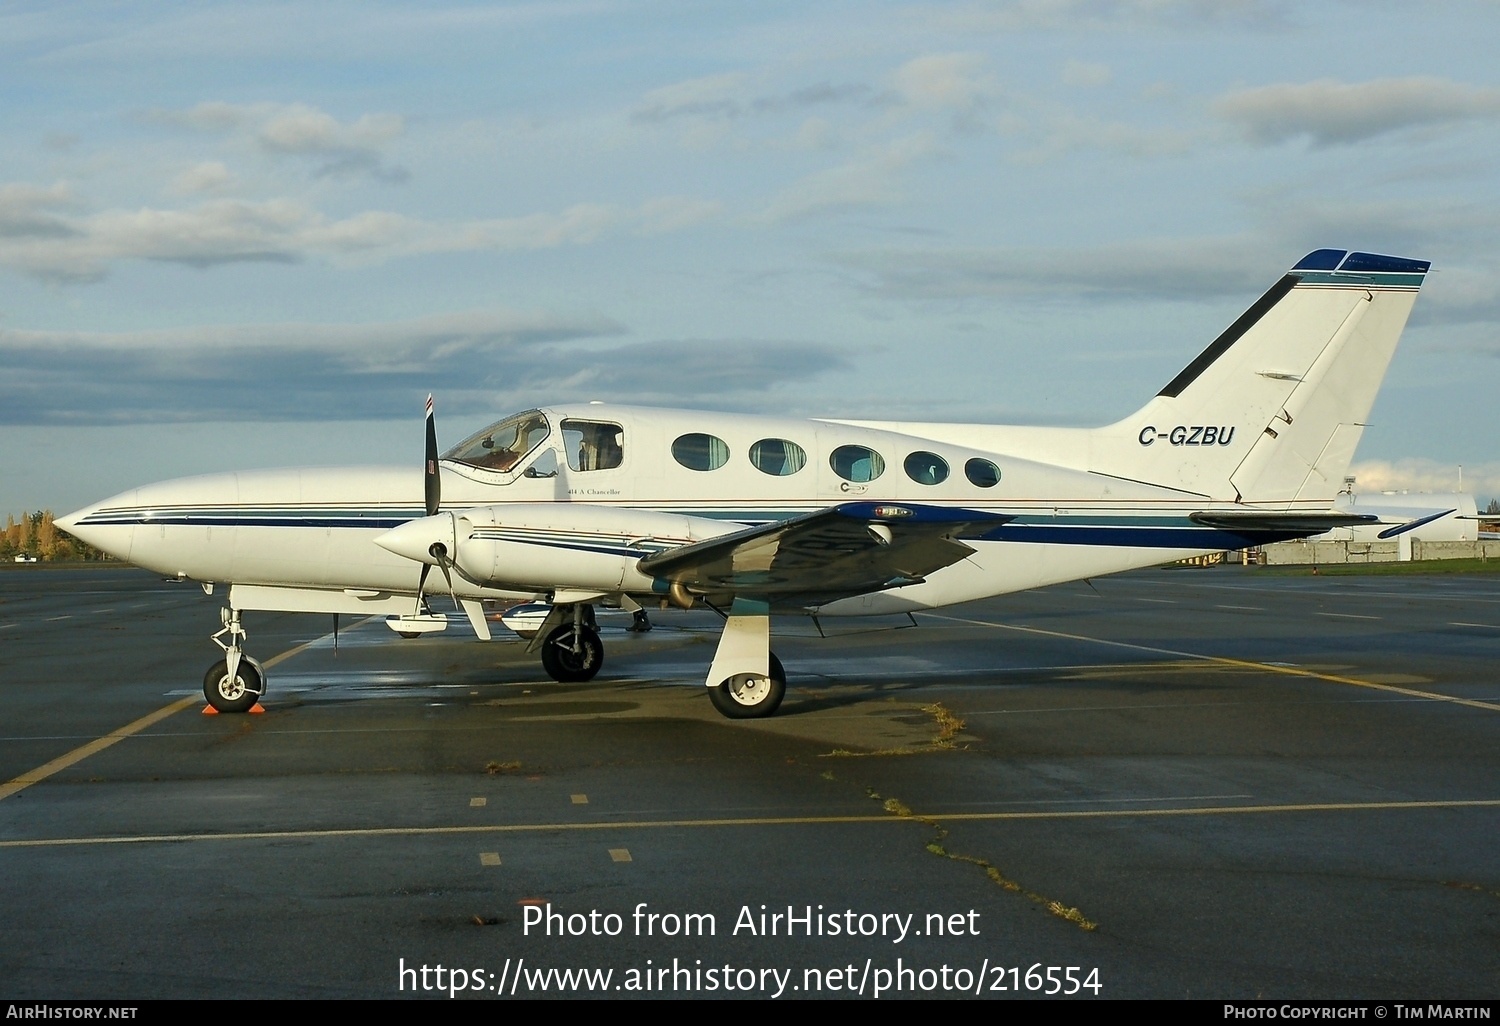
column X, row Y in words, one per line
column 593, row 505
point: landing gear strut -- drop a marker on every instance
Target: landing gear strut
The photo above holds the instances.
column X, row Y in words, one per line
column 572, row 652
column 235, row 683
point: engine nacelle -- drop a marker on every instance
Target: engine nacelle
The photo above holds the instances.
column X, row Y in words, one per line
column 546, row 546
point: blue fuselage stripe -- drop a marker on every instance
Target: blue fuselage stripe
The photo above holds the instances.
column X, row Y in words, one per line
column 1147, row 531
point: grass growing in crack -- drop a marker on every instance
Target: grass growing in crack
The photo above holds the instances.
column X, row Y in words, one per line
column 948, row 728
column 896, row 807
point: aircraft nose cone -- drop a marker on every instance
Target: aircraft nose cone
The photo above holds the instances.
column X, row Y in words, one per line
column 110, row 538
column 415, row 538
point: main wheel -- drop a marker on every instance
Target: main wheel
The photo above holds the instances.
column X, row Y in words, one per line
column 237, row 695
column 746, row 696
column 567, row 666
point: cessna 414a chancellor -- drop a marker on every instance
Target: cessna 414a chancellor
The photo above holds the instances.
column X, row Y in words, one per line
column 593, row 505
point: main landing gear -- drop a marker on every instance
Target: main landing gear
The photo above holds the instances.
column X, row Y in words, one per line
column 235, row 683
column 572, row 652
column 748, row 696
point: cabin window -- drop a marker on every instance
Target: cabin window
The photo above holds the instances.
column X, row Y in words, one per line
column 502, row 446
column 777, row 457
column 926, row 468
column 700, row 452
column 593, row 445
column 856, row 463
column 982, row 473
column 545, row 465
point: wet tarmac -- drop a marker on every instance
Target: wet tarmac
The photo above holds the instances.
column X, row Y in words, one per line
column 1205, row 783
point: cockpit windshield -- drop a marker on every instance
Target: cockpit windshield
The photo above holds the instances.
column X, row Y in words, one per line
column 504, row 445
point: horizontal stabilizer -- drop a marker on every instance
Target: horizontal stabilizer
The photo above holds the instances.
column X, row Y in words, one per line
column 1412, row 525
column 1283, row 524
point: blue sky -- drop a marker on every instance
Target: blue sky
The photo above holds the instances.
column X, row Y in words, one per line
column 258, row 234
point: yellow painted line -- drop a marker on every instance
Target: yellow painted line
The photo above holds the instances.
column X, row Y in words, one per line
column 478, row 803
column 94, row 747
column 580, row 799
column 1244, row 664
column 681, row 824
column 620, row 855
column 99, row 744
column 489, row 858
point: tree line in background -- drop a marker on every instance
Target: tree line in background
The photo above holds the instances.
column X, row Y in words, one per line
column 35, row 535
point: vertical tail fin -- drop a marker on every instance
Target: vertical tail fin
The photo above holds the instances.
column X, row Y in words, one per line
column 1271, row 411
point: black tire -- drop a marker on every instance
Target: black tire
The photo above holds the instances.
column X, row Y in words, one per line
column 567, row 666
column 235, row 696
column 746, row 697
column 408, row 635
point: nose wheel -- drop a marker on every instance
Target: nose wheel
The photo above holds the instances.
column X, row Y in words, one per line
column 235, row 683
column 236, row 693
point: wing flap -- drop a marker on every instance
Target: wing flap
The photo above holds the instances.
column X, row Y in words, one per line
column 850, row 549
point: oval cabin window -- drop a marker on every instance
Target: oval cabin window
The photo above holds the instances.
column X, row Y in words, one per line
column 777, row 457
column 927, row 468
column 982, row 473
column 856, row 463
column 700, row 452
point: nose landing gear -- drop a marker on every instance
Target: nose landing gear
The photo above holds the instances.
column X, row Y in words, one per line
column 235, row 683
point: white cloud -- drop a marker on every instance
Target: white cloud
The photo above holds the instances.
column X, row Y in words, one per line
column 674, row 213
column 946, row 81
column 712, row 96
column 1155, row 268
column 303, row 129
column 37, row 237
column 477, row 362
column 708, row 104
column 34, row 212
column 872, row 180
column 208, row 177
column 1021, row 15
column 1416, row 474
column 300, row 130
column 1331, row 113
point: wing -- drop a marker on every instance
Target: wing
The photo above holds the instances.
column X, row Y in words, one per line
column 851, row 549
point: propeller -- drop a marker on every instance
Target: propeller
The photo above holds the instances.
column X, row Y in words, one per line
column 432, row 488
column 432, row 483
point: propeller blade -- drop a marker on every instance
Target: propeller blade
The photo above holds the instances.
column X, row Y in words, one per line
column 432, row 484
column 422, row 584
column 439, row 552
column 431, row 491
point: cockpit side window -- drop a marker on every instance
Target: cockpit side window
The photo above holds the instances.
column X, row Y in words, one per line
column 502, row 446
column 593, row 445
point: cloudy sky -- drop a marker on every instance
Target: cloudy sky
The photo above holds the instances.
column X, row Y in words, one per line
column 258, row 234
